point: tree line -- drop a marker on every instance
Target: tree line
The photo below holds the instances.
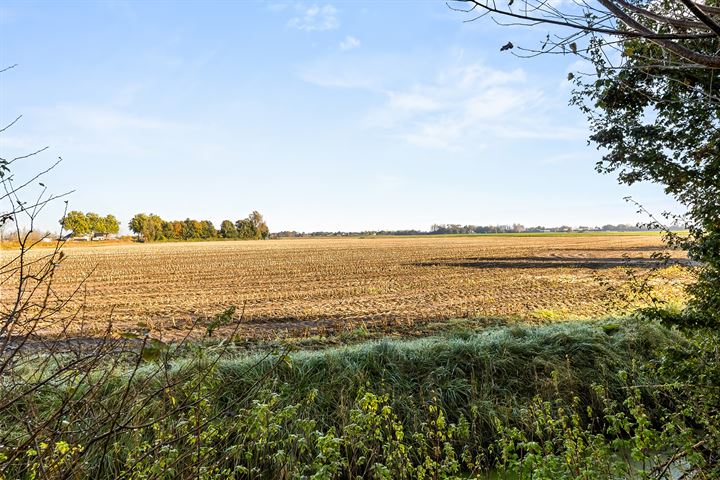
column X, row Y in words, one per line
column 453, row 228
column 151, row 228
column 456, row 228
column 89, row 223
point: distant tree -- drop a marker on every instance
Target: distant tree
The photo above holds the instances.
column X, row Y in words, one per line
column 77, row 222
column 228, row 230
column 88, row 223
column 170, row 230
column 112, row 225
column 95, row 222
column 148, row 228
column 261, row 229
column 137, row 224
column 192, row 229
column 153, row 228
column 207, row 229
column 177, row 228
column 173, row 230
column 189, row 230
column 167, row 230
column 245, row 229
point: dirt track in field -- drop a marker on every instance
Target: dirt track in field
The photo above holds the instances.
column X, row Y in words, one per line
column 308, row 285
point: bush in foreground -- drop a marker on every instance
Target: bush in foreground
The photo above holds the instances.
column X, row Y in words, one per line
column 580, row 400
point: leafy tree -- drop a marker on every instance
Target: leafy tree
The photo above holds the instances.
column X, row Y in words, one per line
column 228, row 230
column 652, row 103
column 681, row 28
column 112, row 225
column 207, row 229
column 261, row 229
column 87, row 223
column 95, row 221
column 662, row 125
column 172, row 230
column 148, row 228
column 77, row 222
column 153, row 228
column 245, row 229
column 137, row 224
column 191, row 229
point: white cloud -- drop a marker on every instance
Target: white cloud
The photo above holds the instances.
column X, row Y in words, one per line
column 470, row 103
column 349, row 43
column 461, row 106
column 315, row 18
column 339, row 72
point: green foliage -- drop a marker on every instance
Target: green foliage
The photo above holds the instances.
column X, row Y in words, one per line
column 150, row 228
column 563, row 401
column 220, row 320
column 661, row 124
column 87, row 223
column 674, row 436
column 77, row 222
column 111, row 224
column 207, row 229
column 252, row 227
column 228, row 230
column 153, row 349
column 191, row 229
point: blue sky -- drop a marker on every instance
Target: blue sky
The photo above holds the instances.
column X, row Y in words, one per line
column 322, row 116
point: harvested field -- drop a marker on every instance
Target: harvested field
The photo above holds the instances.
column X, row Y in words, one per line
column 297, row 286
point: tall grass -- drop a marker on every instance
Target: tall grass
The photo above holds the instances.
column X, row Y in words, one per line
column 496, row 370
column 440, row 407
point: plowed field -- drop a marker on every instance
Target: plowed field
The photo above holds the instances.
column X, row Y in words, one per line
column 300, row 285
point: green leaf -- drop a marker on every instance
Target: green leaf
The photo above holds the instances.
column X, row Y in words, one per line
column 153, row 349
column 150, row 354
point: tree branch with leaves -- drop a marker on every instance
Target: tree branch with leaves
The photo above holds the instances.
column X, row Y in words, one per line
column 682, row 27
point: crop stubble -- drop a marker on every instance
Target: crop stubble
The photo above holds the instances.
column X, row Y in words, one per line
column 297, row 285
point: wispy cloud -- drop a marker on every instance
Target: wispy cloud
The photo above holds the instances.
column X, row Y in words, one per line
column 349, row 43
column 463, row 105
column 373, row 72
column 468, row 105
column 315, row 18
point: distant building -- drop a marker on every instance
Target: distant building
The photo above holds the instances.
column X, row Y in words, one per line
column 99, row 236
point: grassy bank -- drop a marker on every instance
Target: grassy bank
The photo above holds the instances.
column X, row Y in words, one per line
column 452, row 406
column 496, row 370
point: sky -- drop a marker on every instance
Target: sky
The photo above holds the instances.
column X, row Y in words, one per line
column 340, row 115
